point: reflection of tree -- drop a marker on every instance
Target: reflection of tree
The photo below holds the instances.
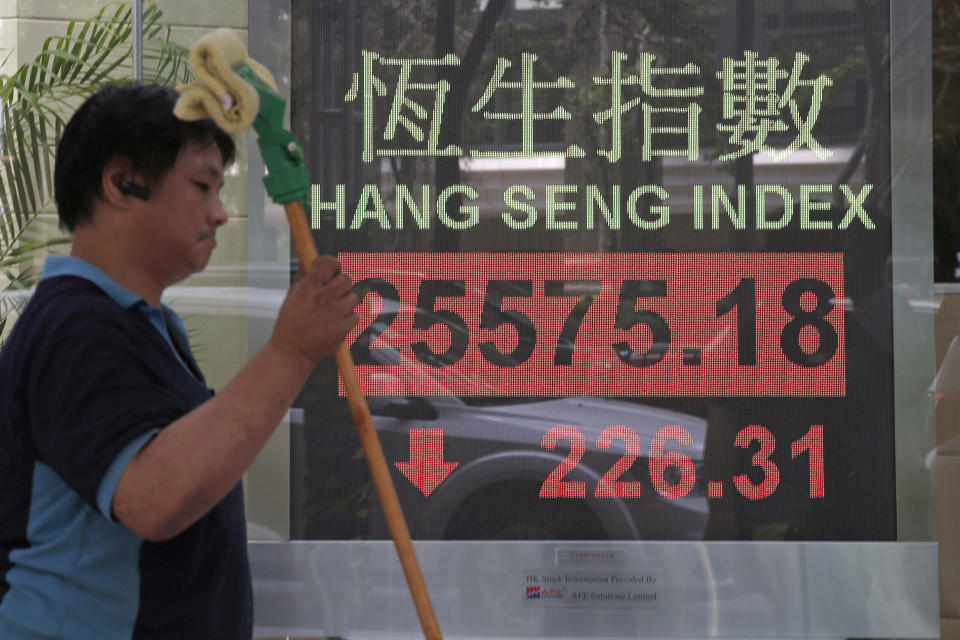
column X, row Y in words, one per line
column 677, row 33
column 566, row 42
column 577, row 41
column 460, row 79
column 874, row 16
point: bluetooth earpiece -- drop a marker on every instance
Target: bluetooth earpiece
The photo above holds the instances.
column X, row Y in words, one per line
column 129, row 188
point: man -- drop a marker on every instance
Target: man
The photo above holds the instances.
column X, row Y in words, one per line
column 121, row 511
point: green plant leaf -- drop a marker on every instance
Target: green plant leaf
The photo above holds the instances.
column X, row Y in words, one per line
column 35, row 102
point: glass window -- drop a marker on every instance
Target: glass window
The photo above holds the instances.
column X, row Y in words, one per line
column 645, row 302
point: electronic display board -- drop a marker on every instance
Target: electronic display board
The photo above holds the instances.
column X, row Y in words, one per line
column 661, row 264
column 629, row 274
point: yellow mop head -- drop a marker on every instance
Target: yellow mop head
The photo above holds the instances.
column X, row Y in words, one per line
column 218, row 92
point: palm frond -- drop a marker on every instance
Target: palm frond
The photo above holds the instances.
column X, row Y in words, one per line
column 35, row 102
column 26, row 187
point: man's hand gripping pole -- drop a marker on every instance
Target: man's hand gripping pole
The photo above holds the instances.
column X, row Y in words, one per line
column 237, row 92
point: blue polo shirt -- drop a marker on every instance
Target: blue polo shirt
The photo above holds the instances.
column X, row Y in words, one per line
column 90, row 373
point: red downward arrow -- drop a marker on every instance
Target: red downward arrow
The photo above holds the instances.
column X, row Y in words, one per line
column 426, row 468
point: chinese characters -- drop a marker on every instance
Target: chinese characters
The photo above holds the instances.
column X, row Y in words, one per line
column 760, row 97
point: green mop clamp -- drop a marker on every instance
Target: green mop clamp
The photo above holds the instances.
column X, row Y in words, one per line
column 237, row 92
column 287, row 179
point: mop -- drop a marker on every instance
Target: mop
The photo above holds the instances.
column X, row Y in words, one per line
column 237, row 92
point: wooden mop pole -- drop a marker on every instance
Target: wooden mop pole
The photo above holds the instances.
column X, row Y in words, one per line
column 371, row 447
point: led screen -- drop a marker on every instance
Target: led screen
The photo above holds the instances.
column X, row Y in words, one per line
column 625, row 270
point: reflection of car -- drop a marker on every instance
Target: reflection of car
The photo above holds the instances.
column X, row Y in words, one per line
column 494, row 491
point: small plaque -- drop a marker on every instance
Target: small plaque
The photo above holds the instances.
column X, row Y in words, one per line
column 580, row 587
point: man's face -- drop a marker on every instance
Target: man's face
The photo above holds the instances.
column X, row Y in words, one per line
column 179, row 222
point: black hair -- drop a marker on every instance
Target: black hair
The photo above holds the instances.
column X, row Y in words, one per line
column 135, row 121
